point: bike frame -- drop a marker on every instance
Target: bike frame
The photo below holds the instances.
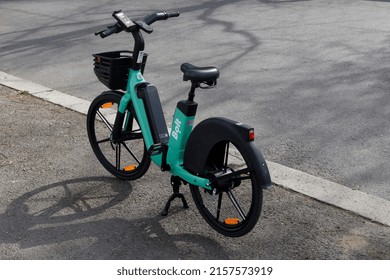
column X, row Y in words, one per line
column 180, row 132
column 198, row 156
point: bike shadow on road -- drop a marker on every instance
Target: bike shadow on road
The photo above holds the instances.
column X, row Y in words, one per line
column 83, row 219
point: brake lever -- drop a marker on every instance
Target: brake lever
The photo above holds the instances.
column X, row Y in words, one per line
column 144, row 26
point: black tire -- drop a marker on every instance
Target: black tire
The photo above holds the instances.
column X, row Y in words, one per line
column 242, row 187
column 128, row 159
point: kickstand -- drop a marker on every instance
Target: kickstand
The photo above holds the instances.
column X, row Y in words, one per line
column 175, row 182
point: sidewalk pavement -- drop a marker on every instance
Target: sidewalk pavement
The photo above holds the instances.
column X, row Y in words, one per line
column 57, row 202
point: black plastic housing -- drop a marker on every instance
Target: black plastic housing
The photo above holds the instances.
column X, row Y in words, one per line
column 149, row 95
column 112, row 68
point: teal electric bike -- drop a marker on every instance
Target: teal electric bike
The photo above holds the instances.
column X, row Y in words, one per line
column 217, row 158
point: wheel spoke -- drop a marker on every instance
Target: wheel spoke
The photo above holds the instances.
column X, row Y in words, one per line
column 219, row 206
column 236, row 205
column 118, row 156
column 104, row 120
column 103, row 140
column 131, row 153
column 226, row 155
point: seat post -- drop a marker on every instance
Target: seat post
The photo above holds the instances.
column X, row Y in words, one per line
column 191, row 94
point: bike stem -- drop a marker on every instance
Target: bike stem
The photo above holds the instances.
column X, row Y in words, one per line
column 139, row 46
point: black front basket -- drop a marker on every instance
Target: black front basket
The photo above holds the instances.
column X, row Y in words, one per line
column 112, row 68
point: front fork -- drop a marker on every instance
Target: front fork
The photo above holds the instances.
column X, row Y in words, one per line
column 135, row 78
column 117, row 128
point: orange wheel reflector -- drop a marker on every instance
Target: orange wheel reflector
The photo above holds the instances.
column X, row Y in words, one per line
column 232, row 221
column 129, row 168
column 107, row 105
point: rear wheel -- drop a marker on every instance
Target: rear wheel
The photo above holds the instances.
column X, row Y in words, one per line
column 126, row 158
column 233, row 206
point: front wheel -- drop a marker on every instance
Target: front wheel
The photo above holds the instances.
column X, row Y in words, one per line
column 126, row 158
column 233, row 206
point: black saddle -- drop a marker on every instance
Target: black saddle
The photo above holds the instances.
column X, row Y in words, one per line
column 208, row 75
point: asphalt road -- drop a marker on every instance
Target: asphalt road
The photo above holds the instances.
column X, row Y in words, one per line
column 311, row 76
column 57, row 202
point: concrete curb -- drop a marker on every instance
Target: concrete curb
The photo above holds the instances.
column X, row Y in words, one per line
column 368, row 206
column 48, row 94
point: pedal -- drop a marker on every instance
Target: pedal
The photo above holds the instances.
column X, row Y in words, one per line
column 156, row 149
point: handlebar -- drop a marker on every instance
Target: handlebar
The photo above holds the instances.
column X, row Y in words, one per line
column 159, row 16
column 123, row 23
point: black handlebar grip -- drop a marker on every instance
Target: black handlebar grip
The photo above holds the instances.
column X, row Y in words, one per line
column 111, row 30
column 159, row 16
column 173, row 14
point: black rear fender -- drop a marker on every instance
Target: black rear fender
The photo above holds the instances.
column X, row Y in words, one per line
column 208, row 141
